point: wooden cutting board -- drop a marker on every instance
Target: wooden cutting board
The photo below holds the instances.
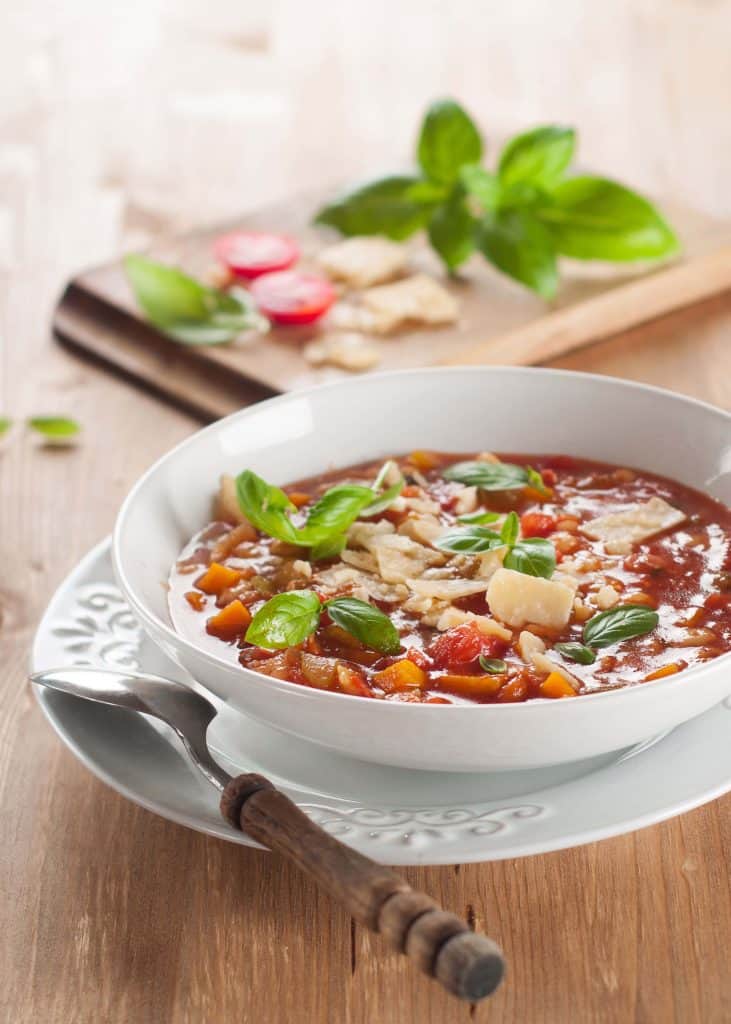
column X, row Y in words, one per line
column 500, row 322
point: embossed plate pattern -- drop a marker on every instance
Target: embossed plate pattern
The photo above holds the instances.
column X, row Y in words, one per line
column 394, row 815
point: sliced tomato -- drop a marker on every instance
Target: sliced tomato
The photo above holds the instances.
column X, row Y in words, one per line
column 250, row 254
column 291, row 297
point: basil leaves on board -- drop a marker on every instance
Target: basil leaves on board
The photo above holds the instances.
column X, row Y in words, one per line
column 521, row 217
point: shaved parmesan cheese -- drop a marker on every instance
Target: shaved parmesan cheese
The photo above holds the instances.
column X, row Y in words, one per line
column 543, row 663
column 606, row 597
column 446, row 590
column 346, row 578
column 301, row 567
column 516, row 599
column 620, row 530
column 418, row 299
column 361, row 262
column 350, row 351
column 456, row 617
column 227, row 504
column 490, row 562
column 400, row 558
column 363, row 535
column 360, row 559
column 424, row 529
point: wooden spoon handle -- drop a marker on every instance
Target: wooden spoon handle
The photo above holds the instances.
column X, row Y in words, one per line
column 469, row 965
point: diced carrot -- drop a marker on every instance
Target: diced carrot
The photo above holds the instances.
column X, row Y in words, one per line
column 556, row 686
column 424, row 460
column 471, row 686
column 196, row 600
column 216, row 578
column 231, row 622
column 514, row 691
column 299, row 498
column 402, row 675
column 437, row 700
column 666, row 670
column 535, row 495
column 639, row 598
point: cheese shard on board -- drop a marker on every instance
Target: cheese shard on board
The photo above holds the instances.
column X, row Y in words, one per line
column 362, row 262
column 620, row 530
column 350, row 351
column 418, row 300
column 517, row 599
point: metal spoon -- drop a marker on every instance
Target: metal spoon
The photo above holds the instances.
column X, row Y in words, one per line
column 469, row 965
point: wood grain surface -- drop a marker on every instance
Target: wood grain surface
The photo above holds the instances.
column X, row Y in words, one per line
column 109, row 915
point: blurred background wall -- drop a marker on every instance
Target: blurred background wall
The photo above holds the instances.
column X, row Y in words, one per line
column 118, row 121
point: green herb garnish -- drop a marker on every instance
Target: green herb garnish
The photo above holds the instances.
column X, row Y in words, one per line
column 577, row 652
column 610, row 627
column 621, row 623
column 55, row 429
column 493, row 666
column 472, row 540
column 288, row 619
column 521, row 217
column 366, row 623
column 285, row 620
column 510, row 529
column 479, row 518
column 488, row 476
column 5, row 425
column 533, row 556
column 186, row 310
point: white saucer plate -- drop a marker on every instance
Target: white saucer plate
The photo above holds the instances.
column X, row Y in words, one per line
column 394, row 815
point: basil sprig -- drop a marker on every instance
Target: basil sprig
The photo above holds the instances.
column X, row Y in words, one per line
column 186, row 310
column 55, row 429
column 479, row 518
column 472, row 540
column 488, row 476
column 624, row 622
column 521, row 217
column 285, row 620
column 288, row 619
column 532, row 556
column 267, row 508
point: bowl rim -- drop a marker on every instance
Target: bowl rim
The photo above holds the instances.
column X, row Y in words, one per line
column 177, row 639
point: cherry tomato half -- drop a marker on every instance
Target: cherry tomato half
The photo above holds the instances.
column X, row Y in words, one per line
column 249, row 254
column 291, row 297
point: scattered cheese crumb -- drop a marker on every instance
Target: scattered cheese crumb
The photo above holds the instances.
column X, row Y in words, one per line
column 606, row 597
column 348, row 351
column 530, row 644
column 362, row 262
column 419, row 299
column 302, row 568
column 466, row 501
column 451, row 617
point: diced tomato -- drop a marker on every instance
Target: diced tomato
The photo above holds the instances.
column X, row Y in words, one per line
column 249, row 254
column 536, row 524
column 464, row 644
column 291, row 297
column 549, row 477
column 419, row 658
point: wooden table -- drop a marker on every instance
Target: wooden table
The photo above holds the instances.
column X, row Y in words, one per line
column 108, row 914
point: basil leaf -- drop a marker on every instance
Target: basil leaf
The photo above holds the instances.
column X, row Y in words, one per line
column 329, row 548
column 55, row 429
column 334, row 512
column 517, row 243
column 383, row 207
column 488, row 476
column 265, row 506
column 471, row 540
column 576, row 652
column 595, row 218
column 428, row 192
column 285, row 620
column 482, row 185
column 510, row 528
column 187, row 310
column 448, row 139
column 5, row 425
column 492, row 665
column 480, row 518
column 533, row 556
column 452, row 232
column 539, row 156
column 382, row 502
column 535, row 480
column 620, row 623
column 366, row 623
